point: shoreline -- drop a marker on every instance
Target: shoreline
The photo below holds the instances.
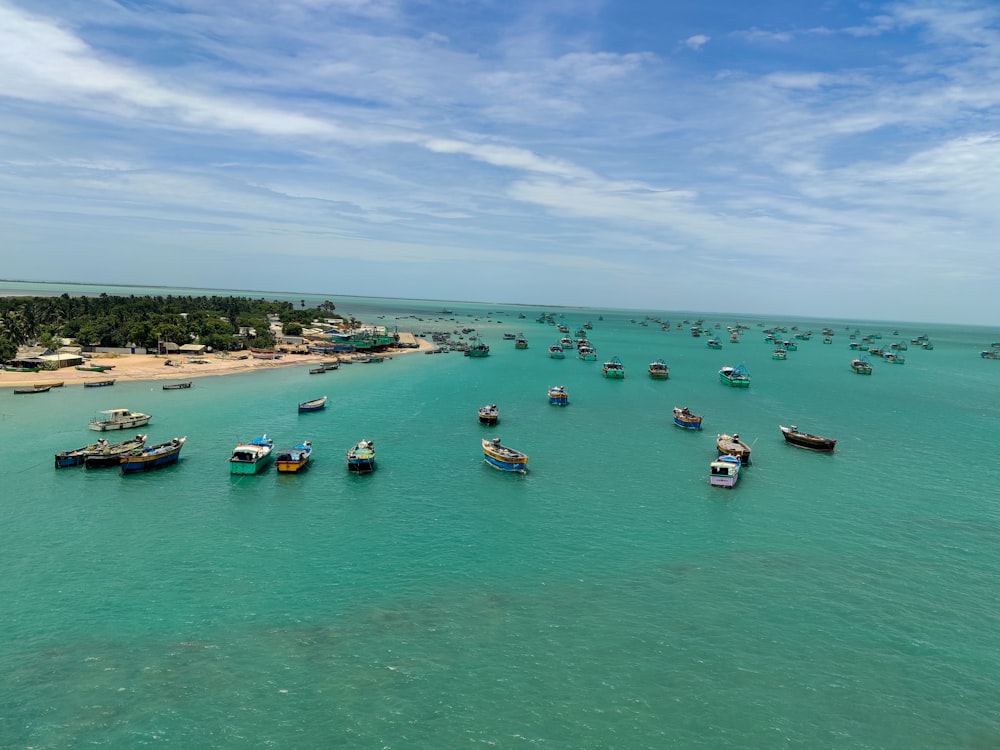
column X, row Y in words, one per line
column 152, row 367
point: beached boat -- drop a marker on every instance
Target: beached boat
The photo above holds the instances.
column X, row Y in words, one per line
column 684, row 418
column 614, row 369
column 478, row 350
column 78, row 456
column 503, row 458
column 725, row 471
column 779, row 353
column 294, row 459
column 658, row 370
column 361, row 458
column 250, row 458
column 731, row 445
column 33, row 389
column 177, row 386
column 558, row 395
column 110, row 454
column 805, row 440
column 489, row 414
column 119, row 419
column 94, row 368
column 98, row 383
column 152, row 457
column 557, row 352
column 264, row 354
column 315, row 405
column 862, row 366
column 737, row 377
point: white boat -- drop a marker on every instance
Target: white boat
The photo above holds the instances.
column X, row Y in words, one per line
column 725, row 471
column 118, row 419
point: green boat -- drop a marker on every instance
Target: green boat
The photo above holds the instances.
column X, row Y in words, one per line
column 94, row 368
column 737, row 377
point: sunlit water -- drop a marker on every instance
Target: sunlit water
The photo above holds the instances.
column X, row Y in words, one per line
column 610, row 598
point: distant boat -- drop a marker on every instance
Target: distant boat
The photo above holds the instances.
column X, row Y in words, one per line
column 614, row 369
column 737, row 377
column 153, row 457
column 78, row 456
column 294, row 459
column 862, row 366
column 684, row 418
column 725, row 471
column 111, row 454
column 503, row 458
column 558, row 396
column 489, row 414
column 315, row 405
column 250, row 458
column 557, row 352
column 731, row 445
column 658, row 370
column 119, row 419
column 98, row 383
column 317, row 370
column 779, row 353
column 94, row 368
column 33, row 389
column 520, row 342
column 586, row 352
column 478, row 350
column 177, row 386
column 714, row 344
column 799, row 439
column 361, row 458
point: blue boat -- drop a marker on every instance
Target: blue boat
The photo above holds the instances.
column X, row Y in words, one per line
column 153, row 457
column 503, row 458
column 315, row 405
column 558, row 395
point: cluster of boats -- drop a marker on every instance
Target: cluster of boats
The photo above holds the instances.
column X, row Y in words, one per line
column 131, row 456
column 734, row 453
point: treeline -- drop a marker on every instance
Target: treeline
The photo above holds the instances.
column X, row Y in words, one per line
column 143, row 321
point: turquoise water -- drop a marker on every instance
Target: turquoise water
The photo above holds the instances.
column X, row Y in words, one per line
column 610, row 598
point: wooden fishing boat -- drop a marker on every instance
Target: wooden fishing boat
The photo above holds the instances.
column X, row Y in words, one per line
column 118, row 419
column 862, row 366
column 317, row 370
column 503, row 458
column 315, row 405
column 33, row 389
column 251, row 457
column 489, row 414
column 152, row 457
column 684, row 418
column 658, row 370
column 294, row 459
column 737, row 377
column 98, row 383
column 111, row 454
column 725, row 471
column 793, row 436
column 731, row 445
column 177, row 386
column 614, row 369
column 361, row 458
column 558, row 395
column 94, row 368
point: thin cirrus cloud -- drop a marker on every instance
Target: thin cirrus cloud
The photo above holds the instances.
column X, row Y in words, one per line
column 493, row 137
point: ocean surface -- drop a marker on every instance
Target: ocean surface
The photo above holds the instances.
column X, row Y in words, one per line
column 609, row 598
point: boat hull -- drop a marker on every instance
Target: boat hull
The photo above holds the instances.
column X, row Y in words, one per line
column 809, row 442
column 155, row 457
column 503, row 458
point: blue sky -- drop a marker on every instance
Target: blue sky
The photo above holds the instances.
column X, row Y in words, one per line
column 833, row 158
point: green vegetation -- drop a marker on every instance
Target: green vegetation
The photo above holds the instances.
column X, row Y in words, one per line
column 108, row 320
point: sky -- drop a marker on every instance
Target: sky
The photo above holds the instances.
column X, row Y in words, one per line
column 823, row 159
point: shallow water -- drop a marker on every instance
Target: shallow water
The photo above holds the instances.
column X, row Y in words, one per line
column 609, row 598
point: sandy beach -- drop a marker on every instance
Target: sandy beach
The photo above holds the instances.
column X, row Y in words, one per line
column 153, row 367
